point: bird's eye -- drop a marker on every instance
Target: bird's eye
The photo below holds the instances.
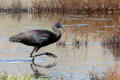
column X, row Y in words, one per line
column 59, row 25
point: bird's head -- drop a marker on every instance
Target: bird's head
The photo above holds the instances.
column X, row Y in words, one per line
column 57, row 25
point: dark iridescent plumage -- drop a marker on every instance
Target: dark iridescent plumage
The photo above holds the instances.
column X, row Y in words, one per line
column 38, row 38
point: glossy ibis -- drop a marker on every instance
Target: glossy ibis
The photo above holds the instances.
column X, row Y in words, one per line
column 39, row 38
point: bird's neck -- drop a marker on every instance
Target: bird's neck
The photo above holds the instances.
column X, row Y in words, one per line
column 57, row 32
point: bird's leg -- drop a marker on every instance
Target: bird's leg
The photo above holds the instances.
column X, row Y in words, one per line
column 46, row 53
column 35, row 49
column 31, row 54
column 49, row 54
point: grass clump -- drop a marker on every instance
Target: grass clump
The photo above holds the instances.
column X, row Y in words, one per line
column 111, row 74
column 5, row 76
column 112, row 39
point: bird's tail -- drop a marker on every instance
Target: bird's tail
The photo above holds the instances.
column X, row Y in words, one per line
column 14, row 39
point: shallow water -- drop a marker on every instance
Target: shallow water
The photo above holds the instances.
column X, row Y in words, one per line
column 75, row 59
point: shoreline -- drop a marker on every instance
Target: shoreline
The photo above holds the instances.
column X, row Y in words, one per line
column 61, row 11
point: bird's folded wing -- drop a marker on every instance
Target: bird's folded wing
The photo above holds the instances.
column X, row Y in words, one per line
column 39, row 38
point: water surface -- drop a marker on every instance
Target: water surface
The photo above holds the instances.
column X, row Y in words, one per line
column 75, row 57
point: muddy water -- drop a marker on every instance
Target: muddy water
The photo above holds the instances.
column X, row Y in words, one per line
column 77, row 54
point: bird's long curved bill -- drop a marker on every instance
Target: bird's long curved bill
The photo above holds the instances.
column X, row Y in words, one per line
column 72, row 35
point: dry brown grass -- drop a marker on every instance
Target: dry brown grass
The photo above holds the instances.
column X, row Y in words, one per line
column 67, row 6
column 76, row 6
column 112, row 39
column 111, row 74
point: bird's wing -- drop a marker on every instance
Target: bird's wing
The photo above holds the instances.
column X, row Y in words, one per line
column 39, row 38
column 31, row 37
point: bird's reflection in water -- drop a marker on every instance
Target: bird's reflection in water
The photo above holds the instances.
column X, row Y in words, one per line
column 36, row 66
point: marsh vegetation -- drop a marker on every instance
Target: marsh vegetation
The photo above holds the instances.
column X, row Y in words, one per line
column 63, row 6
column 89, row 53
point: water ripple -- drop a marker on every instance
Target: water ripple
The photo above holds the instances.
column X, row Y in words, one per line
column 77, row 25
column 101, row 19
column 20, row 60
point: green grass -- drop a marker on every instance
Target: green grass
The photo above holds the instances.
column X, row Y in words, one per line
column 5, row 76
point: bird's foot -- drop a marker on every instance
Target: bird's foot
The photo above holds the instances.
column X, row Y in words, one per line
column 50, row 54
column 51, row 65
column 46, row 53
